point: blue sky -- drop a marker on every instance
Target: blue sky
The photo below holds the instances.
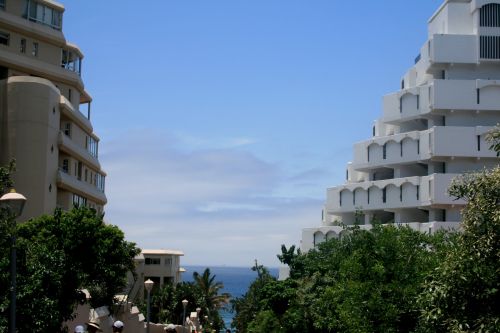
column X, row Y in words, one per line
column 223, row 122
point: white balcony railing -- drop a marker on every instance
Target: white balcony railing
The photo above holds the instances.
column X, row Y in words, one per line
column 479, row 95
column 391, row 194
column 440, row 141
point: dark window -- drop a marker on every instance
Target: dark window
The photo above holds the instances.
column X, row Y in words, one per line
column 401, row 148
column 2, row 4
column 4, row 38
column 402, row 84
column 79, row 201
column 79, row 172
column 384, row 151
column 418, row 102
column 443, row 74
column 368, row 153
column 34, row 52
column 401, row 104
column 489, row 15
column 401, row 193
column 479, row 143
column 347, row 175
column 340, row 198
column 478, row 96
column 418, row 146
column 373, row 131
column 42, row 14
column 65, row 165
column 418, row 192
column 489, row 47
column 152, row 261
column 22, row 46
column 369, row 195
column 354, row 197
column 70, row 93
column 384, row 195
column 67, row 129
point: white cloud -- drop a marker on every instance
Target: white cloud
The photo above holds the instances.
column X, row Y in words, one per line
column 217, row 205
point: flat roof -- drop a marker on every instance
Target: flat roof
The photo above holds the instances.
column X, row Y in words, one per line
column 162, row 251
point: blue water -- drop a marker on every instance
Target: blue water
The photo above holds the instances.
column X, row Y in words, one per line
column 236, row 281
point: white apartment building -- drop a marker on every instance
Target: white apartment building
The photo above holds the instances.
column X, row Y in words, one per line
column 431, row 130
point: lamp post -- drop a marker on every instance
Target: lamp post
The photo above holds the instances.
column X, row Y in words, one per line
column 148, row 284
column 14, row 203
column 198, row 310
column 184, row 305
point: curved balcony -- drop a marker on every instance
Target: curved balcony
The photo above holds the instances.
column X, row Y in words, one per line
column 439, row 141
column 68, row 146
column 84, row 189
column 390, row 194
column 68, row 110
column 413, row 103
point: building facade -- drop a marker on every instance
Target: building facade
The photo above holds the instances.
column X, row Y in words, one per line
column 161, row 266
column 45, row 111
column 431, row 130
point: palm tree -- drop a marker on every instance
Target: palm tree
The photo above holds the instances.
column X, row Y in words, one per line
column 209, row 290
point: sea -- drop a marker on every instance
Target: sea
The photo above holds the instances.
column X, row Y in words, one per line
column 236, row 281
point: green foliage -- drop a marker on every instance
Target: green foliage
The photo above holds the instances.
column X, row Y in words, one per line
column 203, row 293
column 463, row 293
column 60, row 255
column 5, row 242
column 367, row 281
column 493, row 137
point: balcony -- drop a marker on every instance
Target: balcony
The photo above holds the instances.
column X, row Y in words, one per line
column 411, row 147
column 408, row 104
column 389, row 194
column 72, row 184
column 71, row 148
column 449, row 49
column 75, row 115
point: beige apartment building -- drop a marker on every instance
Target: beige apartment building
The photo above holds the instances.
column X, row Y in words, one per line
column 45, row 111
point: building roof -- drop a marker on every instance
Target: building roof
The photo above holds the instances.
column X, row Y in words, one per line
column 162, row 252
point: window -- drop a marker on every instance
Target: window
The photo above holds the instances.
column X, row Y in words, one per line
column 478, row 96
column 79, row 172
column 168, row 261
column 384, row 151
column 489, row 15
column 479, row 143
column 373, row 131
column 402, row 84
column 71, row 61
column 65, row 165
column 67, row 129
column 100, row 181
column 489, row 47
column 401, row 193
column 42, row 14
column 34, row 51
column 70, row 93
column 418, row 146
column 152, row 261
column 384, row 194
column 4, row 38
column 418, row 192
column 354, row 197
column 401, row 104
column 2, row 4
column 340, row 198
column 79, row 201
column 86, row 174
column 369, row 195
column 92, row 146
column 443, row 74
column 368, row 153
column 401, row 148
column 347, row 175
column 418, row 102
column 22, row 46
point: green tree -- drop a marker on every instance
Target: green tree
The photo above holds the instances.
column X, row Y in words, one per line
column 5, row 244
column 60, row 255
column 463, row 293
column 211, row 298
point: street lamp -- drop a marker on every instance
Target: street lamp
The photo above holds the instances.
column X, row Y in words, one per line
column 184, row 305
column 198, row 310
column 148, row 284
column 14, row 203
